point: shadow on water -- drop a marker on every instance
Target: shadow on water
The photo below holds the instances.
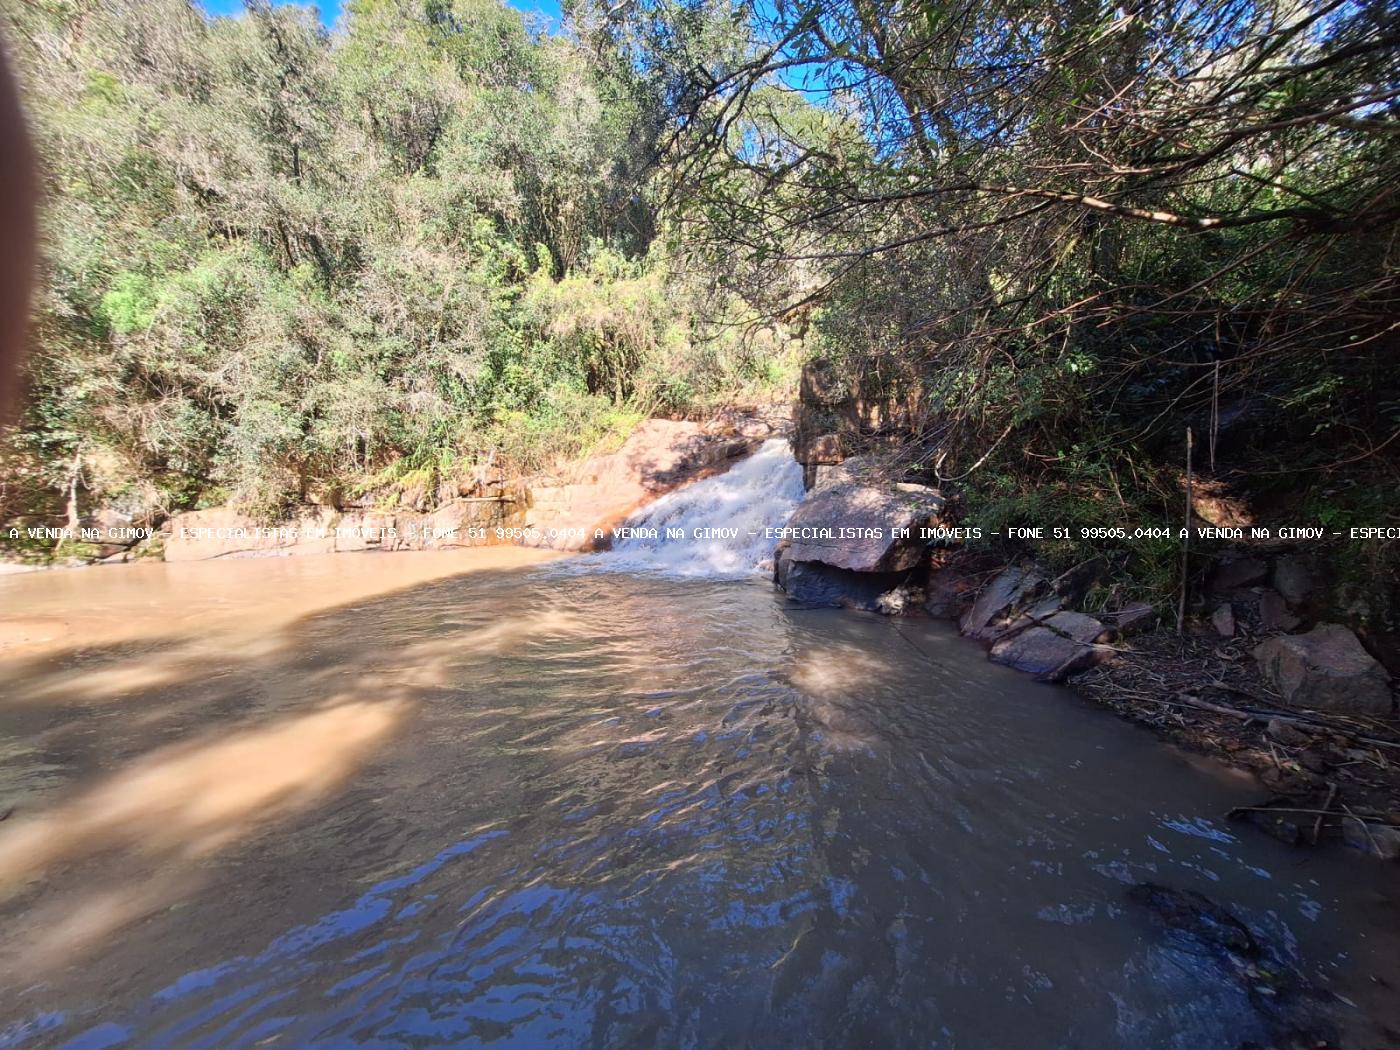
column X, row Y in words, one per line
column 550, row 809
column 128, row 765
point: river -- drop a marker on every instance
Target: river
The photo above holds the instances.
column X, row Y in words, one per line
column 486, row 798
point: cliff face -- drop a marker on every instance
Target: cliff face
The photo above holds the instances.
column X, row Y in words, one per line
column 837, row 416
column 658, row 456
column 553, row 511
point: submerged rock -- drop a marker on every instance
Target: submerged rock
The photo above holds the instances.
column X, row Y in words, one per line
column 1197, row 916
column 1326, row 669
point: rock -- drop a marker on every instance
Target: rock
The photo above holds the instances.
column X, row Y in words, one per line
column 900, row 601
column 414, row 497
column 815, row 584
column 875, row 512
column 1286, row 733
column 822, row 449
column 828, row 475
column 821, row 384
column 1277, row 826
column 1212, row 503
column 1059, row 645
column 1295, row 579
column 1314, row 760
column 220, row 532
column 1274, row 614
column 1327, row 669
column 1379, row 840
column 1073, row 585
column 1001, row 603
column 949, row 592
column 1223, row 620
column 1134, row 618
column 1236, row 573
column 1198, row 916
column 658, row 456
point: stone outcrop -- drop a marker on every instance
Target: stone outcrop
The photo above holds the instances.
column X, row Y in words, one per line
column 836, row 415
column 854, row 540
column 1006, row 601
column 1327, row 669
column 1021, row 616
column 658, row 456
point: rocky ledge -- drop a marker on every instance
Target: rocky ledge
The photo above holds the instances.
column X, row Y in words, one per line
column 858, row 543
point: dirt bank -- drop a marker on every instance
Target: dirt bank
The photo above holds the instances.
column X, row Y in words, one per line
column 1323, row 776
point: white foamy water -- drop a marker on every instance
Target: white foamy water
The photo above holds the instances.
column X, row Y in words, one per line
column 722, row 520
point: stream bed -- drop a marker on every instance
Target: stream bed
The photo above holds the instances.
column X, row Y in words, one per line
column 529, row 806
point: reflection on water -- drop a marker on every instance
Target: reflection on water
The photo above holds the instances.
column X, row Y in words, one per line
column 538, row 808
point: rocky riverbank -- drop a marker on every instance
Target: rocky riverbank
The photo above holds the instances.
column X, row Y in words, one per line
column 1257, row 676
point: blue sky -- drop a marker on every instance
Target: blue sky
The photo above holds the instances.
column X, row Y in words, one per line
column 330, row 9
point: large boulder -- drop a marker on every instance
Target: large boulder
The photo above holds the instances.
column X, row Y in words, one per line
column 1325, row 669
column 1058, row 645
column 854, row 540
column 863, row 527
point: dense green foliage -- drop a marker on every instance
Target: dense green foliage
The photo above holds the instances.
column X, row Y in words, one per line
column 1052, row 237
column 1041, row 240
column 278, row 258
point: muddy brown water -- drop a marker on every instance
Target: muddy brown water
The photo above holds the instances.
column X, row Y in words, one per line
column 477, row 799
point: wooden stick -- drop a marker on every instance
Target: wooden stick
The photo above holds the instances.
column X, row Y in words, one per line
column 1288, row 809
column 1369, row 837
column 1317, row 824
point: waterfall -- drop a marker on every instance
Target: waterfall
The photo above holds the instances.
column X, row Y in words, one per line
column 757, row 493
